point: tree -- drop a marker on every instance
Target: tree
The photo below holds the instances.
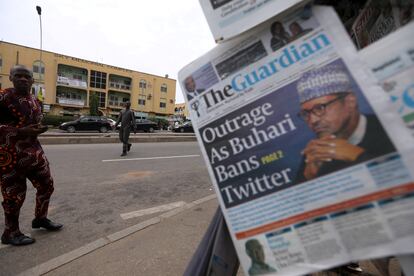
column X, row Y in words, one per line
column 93, row 105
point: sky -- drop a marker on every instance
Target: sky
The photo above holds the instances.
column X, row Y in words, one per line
column 156, row 36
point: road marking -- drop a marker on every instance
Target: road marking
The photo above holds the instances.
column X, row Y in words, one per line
column 151, row 158
column 153, row 210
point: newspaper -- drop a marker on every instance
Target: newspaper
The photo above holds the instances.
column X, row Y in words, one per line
column 229, row 18
column 311, row 166
column 379, row 18
column 392, row 62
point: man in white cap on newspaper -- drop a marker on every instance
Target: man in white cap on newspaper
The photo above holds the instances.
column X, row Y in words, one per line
column 344, row 136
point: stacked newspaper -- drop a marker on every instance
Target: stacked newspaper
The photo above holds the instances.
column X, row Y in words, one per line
column 311, row 163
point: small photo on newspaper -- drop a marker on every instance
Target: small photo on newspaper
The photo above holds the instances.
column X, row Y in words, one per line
column 229, row 18
column 311, row 162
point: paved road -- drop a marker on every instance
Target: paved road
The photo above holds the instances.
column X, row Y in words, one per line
column 93, row 187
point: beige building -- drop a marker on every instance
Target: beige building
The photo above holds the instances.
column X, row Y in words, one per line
column 67, row 84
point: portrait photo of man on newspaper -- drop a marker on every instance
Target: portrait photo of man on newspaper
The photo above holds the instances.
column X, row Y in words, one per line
column 344, row 136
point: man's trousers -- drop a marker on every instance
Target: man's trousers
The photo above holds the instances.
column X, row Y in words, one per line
column 13, row 189
column 124, row 137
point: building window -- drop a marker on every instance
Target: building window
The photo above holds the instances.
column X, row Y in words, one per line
column 70, row 96
column 98, row 79
column 38, row 69
column 163, row 87
column 0, row 82
column 142, row 84
column 141, row 99
column 101, row 98
column 117, row 100
column 163, row 103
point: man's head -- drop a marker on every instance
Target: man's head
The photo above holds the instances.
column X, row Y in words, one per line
column 295, row 28
column 255, row 251
column 127, row 105
column 328, row 105
column 189, row 84
column 22, row 78
column 277, row 28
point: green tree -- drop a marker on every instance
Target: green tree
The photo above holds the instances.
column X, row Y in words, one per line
column 93, row 105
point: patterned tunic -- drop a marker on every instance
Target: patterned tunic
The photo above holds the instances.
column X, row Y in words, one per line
column 21, row 157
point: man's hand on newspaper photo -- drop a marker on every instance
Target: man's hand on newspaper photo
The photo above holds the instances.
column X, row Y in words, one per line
column 327, row 149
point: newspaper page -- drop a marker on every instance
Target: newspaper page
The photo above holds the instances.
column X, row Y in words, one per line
column 392, row 62
column 229, row 18
column 311, row 166
column 379, row 18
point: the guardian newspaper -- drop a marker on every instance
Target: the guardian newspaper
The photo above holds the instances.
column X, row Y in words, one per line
column 229, row 18
column 311, row 165
column 392, row 62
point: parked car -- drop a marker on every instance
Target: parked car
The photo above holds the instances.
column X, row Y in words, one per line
column 144, row 125
column 186, row 127
column 112, row 122
column 87, row 123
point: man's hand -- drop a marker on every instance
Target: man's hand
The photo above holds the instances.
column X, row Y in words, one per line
column 327, row 149
column 311, row 170
column 32, row 130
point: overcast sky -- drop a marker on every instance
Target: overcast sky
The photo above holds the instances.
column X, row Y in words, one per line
column 155, row 36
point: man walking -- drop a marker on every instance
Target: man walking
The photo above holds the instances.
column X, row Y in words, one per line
column 22, row 157
column 126, row 118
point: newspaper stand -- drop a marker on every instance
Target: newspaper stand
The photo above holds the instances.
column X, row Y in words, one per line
column 216, row 254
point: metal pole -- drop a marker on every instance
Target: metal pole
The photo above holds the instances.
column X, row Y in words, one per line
column 39, row 12
column 41, row 99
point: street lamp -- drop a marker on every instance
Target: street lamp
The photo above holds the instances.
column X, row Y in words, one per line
column 39, row 12
column 39, row 95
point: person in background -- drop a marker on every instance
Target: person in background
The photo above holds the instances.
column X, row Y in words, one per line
column 127, row 119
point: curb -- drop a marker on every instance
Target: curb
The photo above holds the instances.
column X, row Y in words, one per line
column 99, row 243
column 106, row 140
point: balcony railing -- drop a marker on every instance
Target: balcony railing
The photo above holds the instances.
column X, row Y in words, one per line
column 114, row 103
column 118, row 85
column 68, row 101
column 71, row 82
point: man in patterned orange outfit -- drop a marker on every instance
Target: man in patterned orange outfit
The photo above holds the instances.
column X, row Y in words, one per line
column 22, row 157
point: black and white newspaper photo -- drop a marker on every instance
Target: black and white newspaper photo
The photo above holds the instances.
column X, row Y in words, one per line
column 229, row 18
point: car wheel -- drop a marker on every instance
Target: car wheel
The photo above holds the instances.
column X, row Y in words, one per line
column 71, row 129
column 103, row 129
column 181, row 130
column 151, row 130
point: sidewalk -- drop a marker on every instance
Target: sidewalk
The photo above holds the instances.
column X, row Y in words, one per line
column 164, row 247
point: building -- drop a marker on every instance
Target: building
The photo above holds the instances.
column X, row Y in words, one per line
column 67, row 83
column 181, row 112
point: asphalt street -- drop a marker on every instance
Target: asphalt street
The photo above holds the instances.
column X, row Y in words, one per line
column 98, row 193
